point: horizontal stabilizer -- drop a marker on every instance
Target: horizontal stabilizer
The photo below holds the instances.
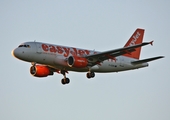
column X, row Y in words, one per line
column 146, row 60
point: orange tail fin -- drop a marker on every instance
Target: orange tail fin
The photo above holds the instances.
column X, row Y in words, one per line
column 136, row 38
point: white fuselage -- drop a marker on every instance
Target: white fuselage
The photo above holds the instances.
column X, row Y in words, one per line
column 56, row 56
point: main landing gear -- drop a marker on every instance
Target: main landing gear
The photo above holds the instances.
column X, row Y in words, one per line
column 90, row 75
column 65, row 80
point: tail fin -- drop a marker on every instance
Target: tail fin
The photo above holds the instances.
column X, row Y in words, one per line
column 136, row 38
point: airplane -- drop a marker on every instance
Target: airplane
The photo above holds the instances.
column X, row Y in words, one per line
column 47, row 59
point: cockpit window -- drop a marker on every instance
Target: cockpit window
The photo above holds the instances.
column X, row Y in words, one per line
column 27, row 46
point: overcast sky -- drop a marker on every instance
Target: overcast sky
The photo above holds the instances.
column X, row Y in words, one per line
column 142, row 94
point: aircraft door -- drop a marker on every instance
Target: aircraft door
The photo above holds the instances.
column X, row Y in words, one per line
column 38, row 48
column 121, row 61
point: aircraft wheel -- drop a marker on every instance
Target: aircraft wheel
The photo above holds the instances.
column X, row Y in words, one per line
column 92, row 74
column 88, row 75
column 65, row 81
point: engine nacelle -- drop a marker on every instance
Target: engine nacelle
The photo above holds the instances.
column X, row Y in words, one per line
column 77, row 62
column 40, row 71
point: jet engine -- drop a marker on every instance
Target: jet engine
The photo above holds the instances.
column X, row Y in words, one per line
column 77, row 62
column 40, row 71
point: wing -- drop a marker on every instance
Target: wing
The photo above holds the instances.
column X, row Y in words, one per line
column 111, row 54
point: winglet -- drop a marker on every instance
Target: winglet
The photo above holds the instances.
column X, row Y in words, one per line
column 151, row 43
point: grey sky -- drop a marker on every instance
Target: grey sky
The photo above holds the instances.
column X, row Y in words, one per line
column 141, row 94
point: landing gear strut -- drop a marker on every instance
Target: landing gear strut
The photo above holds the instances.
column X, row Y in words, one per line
column 90, row 75
column 65, row 80
column 33, row 63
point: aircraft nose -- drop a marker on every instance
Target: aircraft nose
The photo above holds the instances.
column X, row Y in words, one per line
column 14, row 53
